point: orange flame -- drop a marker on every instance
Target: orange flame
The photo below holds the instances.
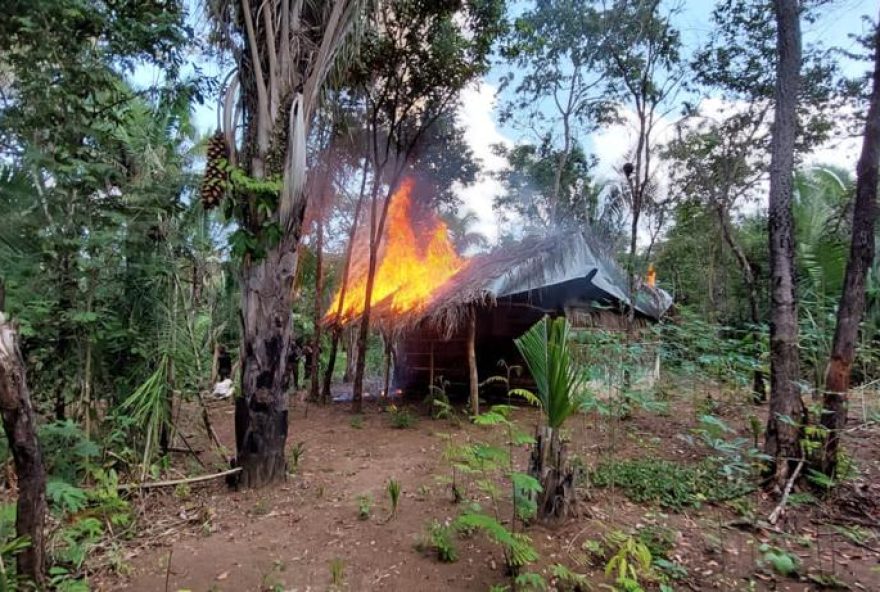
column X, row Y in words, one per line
column 409, row 270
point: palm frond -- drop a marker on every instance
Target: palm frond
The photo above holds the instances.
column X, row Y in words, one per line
column 545, row 348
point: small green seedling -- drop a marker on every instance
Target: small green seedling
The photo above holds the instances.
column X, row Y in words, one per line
column 296, row 453
column 365, row 506
column 393, row 490
column 337, row 574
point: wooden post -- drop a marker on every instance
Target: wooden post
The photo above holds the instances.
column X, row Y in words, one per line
column 386, row 378
column 431, row 371
column 21, row 431
column 472, row 361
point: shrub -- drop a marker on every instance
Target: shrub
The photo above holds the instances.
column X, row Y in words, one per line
column 439, row 540
column 401, row 417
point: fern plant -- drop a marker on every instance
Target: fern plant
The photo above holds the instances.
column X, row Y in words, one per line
column 485, row 464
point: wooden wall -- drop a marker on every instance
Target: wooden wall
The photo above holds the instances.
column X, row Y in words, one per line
column 497, row 327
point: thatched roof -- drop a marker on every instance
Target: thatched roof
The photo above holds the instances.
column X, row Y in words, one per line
column 532, row 264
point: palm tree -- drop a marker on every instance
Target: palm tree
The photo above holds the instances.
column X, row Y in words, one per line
column 821, row 198
column 559, row 390
column 462, row 233
column 284, row 53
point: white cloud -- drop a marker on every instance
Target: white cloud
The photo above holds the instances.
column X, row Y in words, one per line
column 842, row 153
column 476, row 116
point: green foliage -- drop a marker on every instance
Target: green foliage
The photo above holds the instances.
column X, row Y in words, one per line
column 485, row 467
column 67, row 450
column 546, row 349
column 726, row 353
column 365, row 506
column 65, row 498
column 779, row 560
column 737, row 459
column 667, row 483
column 253, row 203
column 659, row 540
column 337, row 574
column 401, row 417
column 294, row 456
column 438, row 401
column 529, row 580
column 517, row 547
column 357, row 422
column 566, row 580
column 530, row 182
column 630, row 566
column 149, row 407
column 439, row 540
column 393, row 491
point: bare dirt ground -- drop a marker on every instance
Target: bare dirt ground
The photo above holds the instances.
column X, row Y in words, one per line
column 209, row 538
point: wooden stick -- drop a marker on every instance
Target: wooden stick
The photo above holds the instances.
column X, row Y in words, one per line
column 168, row 568
column 153, row 484
column 777, row 512
column 188, row 447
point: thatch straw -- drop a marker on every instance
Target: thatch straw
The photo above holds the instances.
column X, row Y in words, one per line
column 533, row 263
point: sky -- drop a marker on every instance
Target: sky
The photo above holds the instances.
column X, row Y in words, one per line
column 478, row 113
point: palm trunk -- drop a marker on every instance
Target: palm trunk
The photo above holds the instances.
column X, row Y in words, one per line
column 852, row 300
column 787, row 412
column 548, row 464
column 19, row 423
column 261, row 410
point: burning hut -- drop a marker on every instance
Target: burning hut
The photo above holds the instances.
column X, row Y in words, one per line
column 454, row 318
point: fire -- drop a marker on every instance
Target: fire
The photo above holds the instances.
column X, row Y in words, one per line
column 412, row 264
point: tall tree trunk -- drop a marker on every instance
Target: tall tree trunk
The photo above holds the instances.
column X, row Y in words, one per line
column 357, row 393
column 336, row 331
column 377, row 231
column 315, row 370
column 759, row 391
column 335, row 334
column 21, row 431
column 64, row 349
column 852, row 300
column 261, row 410
column 350, row 353
column 787, row 412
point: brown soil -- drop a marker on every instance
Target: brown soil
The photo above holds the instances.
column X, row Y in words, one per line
column 287, row 537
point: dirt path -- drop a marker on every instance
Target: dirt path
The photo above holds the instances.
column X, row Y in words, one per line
column 288, row 537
